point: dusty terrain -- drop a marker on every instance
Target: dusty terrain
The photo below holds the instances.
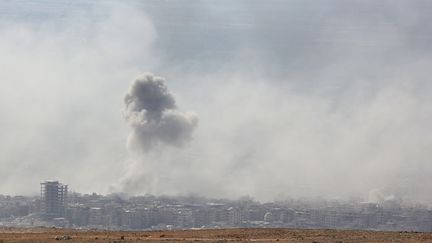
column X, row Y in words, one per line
column 223, row 235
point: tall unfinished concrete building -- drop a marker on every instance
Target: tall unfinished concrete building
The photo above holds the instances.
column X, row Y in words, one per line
column 53, row 198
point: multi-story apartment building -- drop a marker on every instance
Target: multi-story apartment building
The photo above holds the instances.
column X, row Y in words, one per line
column 53, row 195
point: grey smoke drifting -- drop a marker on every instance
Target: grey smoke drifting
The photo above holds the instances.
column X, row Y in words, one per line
column 152, row 113
column 295, row 99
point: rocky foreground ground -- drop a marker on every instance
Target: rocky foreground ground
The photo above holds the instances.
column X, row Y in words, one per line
column 220, row 235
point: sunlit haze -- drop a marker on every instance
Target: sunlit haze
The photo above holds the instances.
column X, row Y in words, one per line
column 224, row 99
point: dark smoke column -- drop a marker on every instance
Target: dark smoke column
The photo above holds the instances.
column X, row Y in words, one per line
column 152, row 113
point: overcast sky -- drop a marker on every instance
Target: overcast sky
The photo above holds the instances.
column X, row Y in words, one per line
column 293, row 98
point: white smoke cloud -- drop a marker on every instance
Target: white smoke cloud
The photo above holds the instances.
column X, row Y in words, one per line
column 54, row 73
column 294, row 99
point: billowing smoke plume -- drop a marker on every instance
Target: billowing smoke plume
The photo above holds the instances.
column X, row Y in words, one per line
column 152, row 113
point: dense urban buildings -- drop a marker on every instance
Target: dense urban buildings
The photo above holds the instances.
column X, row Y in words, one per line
column 121, row 212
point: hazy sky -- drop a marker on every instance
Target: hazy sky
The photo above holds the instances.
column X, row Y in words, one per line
column 294, row 98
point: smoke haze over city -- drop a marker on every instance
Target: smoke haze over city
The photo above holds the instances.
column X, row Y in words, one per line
column 271, row 99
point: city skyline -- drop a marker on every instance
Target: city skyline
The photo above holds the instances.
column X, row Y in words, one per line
column 121, row 212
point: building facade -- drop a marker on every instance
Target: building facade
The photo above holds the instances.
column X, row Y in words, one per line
column 53, row 199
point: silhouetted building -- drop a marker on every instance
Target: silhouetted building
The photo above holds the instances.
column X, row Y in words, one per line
column 53, row 199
